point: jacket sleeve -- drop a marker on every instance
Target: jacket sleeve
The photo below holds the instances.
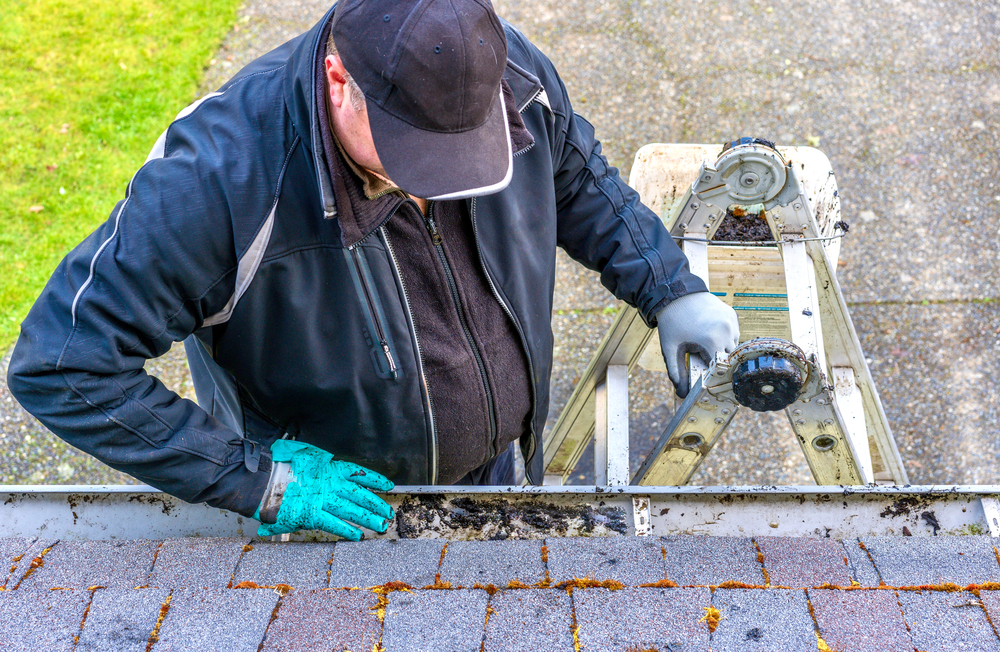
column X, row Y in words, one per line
column 601, row 222
column 149, row 276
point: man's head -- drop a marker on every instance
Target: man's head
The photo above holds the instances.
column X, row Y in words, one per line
column 430, row 114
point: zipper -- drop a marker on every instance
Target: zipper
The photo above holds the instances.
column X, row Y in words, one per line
column 453, row 287
column 373, row 311
column 420, row 360
column 520, row 332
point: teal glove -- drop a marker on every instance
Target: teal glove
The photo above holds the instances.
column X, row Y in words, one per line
column 321, row 494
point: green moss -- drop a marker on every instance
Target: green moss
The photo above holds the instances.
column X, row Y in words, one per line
column 85, row 89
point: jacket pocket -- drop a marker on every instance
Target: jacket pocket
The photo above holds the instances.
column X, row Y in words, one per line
column 376, row 335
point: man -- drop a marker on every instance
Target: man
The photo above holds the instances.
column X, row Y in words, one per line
column 356, row 238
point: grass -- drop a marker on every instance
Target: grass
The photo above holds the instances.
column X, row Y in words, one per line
column 85, row 89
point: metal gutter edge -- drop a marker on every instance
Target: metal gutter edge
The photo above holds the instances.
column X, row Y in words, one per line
column 139, row 511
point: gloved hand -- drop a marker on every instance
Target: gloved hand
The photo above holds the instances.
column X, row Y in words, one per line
column 699, row 324
column 320, row 493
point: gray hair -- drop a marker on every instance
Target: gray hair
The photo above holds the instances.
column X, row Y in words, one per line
column 354, row 92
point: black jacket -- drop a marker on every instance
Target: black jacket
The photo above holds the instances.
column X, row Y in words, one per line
column 229, row 231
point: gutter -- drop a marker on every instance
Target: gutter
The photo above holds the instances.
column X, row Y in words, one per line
column 464, row 513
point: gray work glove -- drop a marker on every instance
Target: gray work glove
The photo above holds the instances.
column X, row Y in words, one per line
column 699, row 324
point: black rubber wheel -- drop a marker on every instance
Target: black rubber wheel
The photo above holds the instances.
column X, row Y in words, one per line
column 767, row 384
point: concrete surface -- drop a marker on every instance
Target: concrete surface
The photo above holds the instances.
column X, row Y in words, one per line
column 902, row 96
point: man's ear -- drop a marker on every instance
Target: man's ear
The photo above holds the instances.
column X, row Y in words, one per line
column 336, row 80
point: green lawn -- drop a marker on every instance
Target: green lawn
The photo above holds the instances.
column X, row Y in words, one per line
column 85, row 89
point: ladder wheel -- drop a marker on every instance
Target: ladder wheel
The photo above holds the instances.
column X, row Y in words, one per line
column 768, row 383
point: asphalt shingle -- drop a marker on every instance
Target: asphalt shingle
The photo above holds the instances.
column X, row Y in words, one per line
column 467, row 563
column 83, row 564
column 629, row 560
column 209, row 620
column 860, row 621
column 442, row 621
column 802, row 562
column 539, row 619
column 301, row 565
column 917, row 561
column 196, row 563
column 27, row 565
column 763, row 620
column 320, row 621
column 11, row 553
column 41, row 621
column 370, row 563
column 691, row 560
column 862, row 569
column 121, row 620
column 642, row 619
column 943, row 621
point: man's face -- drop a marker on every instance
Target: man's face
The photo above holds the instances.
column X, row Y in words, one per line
column 350, row 124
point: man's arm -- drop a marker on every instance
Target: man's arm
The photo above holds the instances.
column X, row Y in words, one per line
column 602, row 224
column 164, row 261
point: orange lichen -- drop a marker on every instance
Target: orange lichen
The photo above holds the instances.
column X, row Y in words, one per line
column 517, row 584
column 155, row 635
column 489, row 588
column 660, row 584
column 986, row 586
column 730, row 584
column 438, row 585
column 760, row 560
column 547, row 582
column 248, row 547
column 36, row 563
column 489, row 611
column 248, row 585
column 711, row 618
column 821, row 644
column 947, row 587
column 589, row 583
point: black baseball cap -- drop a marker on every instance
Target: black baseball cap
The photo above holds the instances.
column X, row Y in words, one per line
column 430, row 71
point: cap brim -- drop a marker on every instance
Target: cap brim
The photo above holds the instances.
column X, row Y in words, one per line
column 437, row 166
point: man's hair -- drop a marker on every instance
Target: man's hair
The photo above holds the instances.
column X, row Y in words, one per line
column 354, row 92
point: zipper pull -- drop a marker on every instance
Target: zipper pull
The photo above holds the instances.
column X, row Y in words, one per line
column 388, row 356
column 435, row 234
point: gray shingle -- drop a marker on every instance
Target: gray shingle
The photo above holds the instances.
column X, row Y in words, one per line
column 210, row 620
column 492, row 562
column 370, row 563
column 83, row 564
column 196, row 563
column 763, row 619
column 320, row 621
column 301, row 565
column 802, row 562
column 943, row 621
column 695, row 560
column 862, row 569
column 533, row 619
column 916, row 561
column 121, row 620
column 860, row 621
column 21, row 568
column 41, row 621
column 642, row 619
column 442, row 621
column 629, row 560
column 11, row 549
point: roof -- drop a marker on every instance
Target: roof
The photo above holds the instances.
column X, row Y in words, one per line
column 589, row 593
